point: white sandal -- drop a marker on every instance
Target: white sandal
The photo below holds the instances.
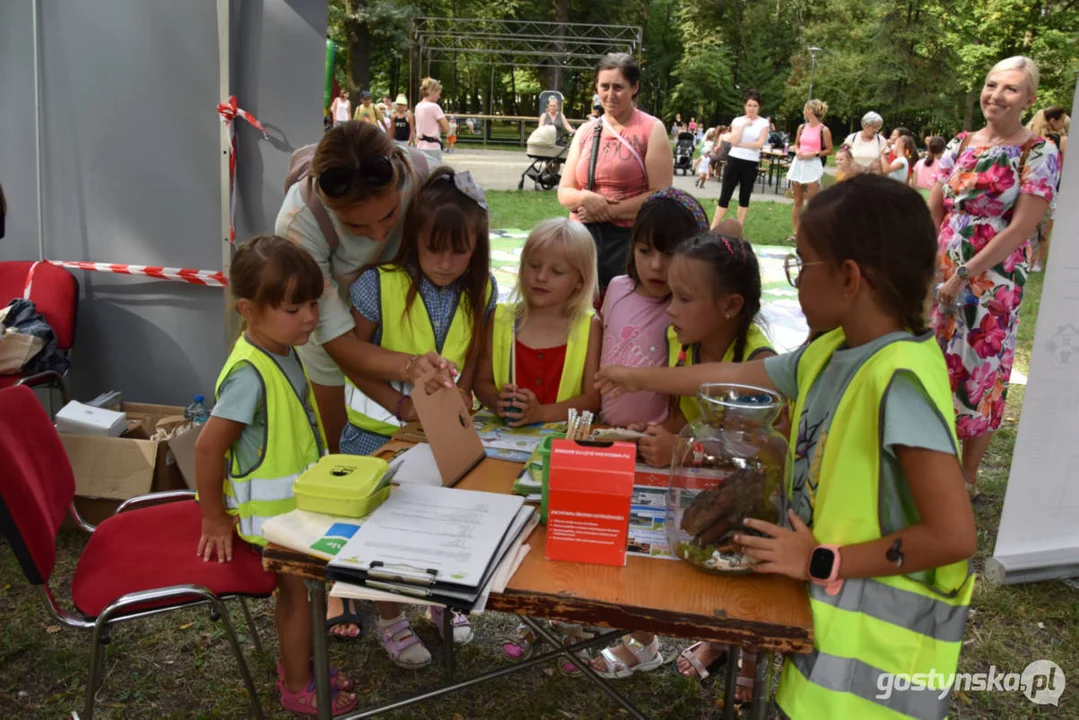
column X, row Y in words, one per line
column 648, row 659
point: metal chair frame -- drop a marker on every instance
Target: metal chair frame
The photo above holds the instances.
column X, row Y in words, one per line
column 115, row 613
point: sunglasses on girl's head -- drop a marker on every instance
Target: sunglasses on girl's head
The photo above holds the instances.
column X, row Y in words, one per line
column 373, row 172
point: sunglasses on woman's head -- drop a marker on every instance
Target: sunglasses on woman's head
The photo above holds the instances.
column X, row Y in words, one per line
column 373, row 172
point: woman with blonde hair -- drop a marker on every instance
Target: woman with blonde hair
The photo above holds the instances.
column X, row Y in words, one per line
column 993, row 187
column 812, row 144
column 430, row 121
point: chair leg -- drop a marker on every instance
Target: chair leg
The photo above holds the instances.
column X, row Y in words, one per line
column 95, row 673
column 251, row 625
column 216, row 603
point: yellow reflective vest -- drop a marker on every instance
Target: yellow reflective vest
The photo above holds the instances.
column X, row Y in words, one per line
column 408, row 332
column 874, row 630
column 756, row 341
column 502, row 351
column 289, row 448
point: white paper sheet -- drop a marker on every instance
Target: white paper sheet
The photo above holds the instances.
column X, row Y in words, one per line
column 453, row 532
column 417, row 466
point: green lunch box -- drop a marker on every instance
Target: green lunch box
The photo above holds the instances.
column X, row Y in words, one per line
column 345, row 485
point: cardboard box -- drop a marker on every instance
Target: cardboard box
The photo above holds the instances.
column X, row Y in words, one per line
column 589, row 491
column 110, row 470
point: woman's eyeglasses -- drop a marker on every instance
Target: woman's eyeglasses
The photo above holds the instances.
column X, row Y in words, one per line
column 373, row 172
column 793, row 267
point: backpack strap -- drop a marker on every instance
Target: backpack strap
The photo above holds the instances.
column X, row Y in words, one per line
column 597, row 135
column 321, row 215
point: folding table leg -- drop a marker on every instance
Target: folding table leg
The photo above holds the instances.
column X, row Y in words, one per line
column 447, row 642
column 585, row 669
column 733, row 653
column 316, row 592
column 762, row 690
column 251, row 624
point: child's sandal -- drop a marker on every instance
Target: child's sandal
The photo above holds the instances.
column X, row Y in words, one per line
column 648, row 659
column 397, row 638
column 571, row 634
column 462, row 628
column 305, row 702
column 337, row 680
column 518, row 645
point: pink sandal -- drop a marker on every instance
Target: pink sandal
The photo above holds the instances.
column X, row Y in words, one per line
column 304, row 702
column 336, row 679
column 397, row 638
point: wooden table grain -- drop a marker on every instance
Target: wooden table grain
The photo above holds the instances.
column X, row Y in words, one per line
column 666, row 597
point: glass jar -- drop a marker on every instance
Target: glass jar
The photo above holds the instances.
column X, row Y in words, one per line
column 728, row 465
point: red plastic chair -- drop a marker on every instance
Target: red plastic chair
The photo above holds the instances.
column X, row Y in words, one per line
column 55, row 293
column 139, row 562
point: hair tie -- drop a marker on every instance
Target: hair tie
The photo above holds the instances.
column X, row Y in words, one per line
column 462, row 180
column 687, row 201
column 727, row 243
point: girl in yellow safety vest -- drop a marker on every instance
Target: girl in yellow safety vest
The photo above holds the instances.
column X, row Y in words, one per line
column 436, row 295
column 715, row 284
column 263, row 432
column 879, row 523
column 544, row 348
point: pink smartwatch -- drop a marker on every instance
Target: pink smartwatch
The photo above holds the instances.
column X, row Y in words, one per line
column 824, row 568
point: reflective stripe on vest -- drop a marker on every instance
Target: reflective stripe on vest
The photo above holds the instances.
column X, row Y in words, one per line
column 502, row 351
column 408, row 332
column 892, row 625
column 756, row 341
column 289, row 448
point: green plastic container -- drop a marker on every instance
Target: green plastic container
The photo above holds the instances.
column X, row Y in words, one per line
column 345, row 485
column 544, row 452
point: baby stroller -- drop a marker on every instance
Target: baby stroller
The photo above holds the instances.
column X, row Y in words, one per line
column 683, row 152
column 547, row 158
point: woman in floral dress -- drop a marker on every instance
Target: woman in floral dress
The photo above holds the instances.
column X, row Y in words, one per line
column 992, row 189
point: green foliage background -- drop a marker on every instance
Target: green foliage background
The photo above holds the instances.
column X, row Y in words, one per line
column 920, row 63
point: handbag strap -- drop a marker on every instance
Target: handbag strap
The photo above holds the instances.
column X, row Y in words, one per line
column 597, row 135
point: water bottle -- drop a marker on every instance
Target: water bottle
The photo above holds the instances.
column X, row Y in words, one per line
column 196, row 412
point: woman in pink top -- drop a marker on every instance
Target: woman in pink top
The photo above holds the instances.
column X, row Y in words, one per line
column 812, row 144
column 430, row 121
column 633, row 158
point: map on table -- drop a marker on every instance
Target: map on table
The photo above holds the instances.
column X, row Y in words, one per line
column 782, row 316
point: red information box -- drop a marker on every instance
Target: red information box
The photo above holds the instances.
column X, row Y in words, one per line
column 590, row 487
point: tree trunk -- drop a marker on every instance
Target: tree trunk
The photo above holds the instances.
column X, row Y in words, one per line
column 968, row 114
column 359, row 48
column 561, row 9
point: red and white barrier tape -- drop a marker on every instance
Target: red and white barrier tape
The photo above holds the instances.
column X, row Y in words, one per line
column 212, row 278
column 229, row 111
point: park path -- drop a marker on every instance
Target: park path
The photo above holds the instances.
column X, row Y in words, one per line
column 501, row 170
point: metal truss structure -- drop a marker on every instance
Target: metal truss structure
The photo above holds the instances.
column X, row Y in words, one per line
column 570, row 46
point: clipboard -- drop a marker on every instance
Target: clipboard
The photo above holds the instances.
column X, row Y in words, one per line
column 447, row 423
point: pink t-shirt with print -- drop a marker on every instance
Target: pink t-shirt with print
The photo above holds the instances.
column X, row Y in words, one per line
column 634, row 334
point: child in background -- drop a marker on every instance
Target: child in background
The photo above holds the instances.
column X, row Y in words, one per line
column 264, row 430
column 451, row 134
column 435, row 295
column 635, row 307
column 543, row 351
column 925, row 170
column 544, row 344
column 879, row 523
column 845, row 167
column 715, row 297
column 705, row 161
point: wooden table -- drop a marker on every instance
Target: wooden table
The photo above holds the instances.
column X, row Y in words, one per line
column 662, row 596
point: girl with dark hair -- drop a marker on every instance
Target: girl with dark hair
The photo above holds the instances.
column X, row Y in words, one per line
column 263, row 433
column 749, row 133
column 434, row 296
column 613, row 164
column 635, row 308
column 878, row 523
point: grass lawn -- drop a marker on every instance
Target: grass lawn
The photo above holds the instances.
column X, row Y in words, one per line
column 767, row 223
column 179, row 665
